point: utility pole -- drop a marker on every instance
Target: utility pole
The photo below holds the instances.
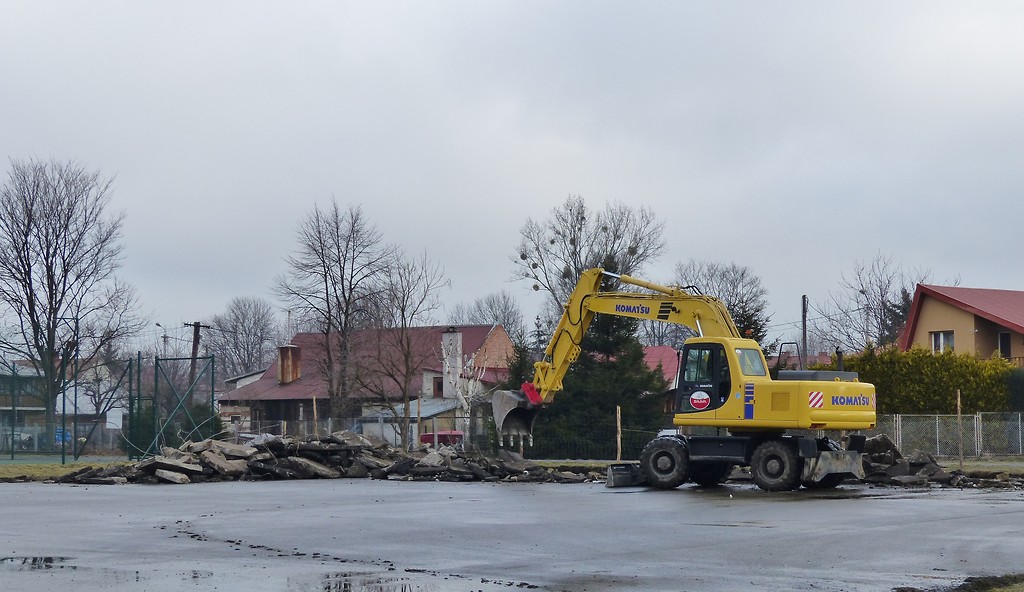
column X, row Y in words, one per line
column 803, row 344
column 195, row 353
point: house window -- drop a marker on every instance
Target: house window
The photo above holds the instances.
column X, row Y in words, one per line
column 1004, row 344
column 941, row 341
column 438, row 387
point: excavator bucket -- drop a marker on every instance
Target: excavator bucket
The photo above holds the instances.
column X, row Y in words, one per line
column 513, row 416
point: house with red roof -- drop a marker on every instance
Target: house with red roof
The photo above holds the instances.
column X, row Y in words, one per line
column 293, row 391
column 981, row 321
column 665, row 357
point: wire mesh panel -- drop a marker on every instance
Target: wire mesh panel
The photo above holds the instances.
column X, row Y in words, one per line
column 27, row 424
column 885, row 424
column 941, row 435
column 1001, row 433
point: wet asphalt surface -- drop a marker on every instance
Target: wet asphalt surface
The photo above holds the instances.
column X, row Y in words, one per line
column 383, row 536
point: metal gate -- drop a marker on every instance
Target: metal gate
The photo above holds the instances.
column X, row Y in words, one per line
column 172, row 408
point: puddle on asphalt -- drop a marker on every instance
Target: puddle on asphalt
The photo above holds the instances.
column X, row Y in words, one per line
column 349, row 582
column 33, row 563
column 411, row 581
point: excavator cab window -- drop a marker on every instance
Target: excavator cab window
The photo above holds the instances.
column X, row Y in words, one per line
column 705, row 382
column 750, row 362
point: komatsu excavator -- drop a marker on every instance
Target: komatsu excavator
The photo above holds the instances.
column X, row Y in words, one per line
column 768, row 425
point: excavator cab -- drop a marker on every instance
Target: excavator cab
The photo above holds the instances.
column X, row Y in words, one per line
column 705, row 381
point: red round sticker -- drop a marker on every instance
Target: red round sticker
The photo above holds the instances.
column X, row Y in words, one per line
column 700, row 400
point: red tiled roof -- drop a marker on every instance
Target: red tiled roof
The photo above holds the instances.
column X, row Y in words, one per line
column 667, row 356
column 311, row 383
column 1002, row 307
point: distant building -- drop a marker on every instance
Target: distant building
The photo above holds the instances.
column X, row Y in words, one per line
column 980, row 321
column 293, row 390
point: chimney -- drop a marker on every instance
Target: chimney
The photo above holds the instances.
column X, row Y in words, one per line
column 289, row 364
column 451, row 346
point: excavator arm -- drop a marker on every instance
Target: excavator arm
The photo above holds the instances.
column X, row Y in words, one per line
column 514, row 411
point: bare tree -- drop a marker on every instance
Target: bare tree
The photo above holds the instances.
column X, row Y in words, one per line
column 100, row 385
column 499, row 308
column 394, row 354
column 870, row 307
column 244, row 337
column 661, row 333
column 337, row 271
column 59, row 252
column 554, row 252
column 737, row 286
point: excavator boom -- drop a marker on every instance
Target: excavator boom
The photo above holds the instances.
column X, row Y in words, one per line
column 515, row 411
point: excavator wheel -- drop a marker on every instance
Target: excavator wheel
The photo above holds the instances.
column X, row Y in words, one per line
column 775, row 466
column 665, row 462
column 709, row 474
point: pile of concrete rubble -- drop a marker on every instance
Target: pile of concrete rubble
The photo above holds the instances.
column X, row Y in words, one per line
column 341, row 454
column 346, row 454
column 884, row 464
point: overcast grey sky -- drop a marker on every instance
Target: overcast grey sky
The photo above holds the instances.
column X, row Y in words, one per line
column 791, row 137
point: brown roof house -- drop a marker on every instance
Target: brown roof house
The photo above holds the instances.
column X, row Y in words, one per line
column 443, row 369
column 981, row 321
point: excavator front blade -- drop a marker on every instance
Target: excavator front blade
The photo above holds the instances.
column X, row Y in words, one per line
column 514, row 415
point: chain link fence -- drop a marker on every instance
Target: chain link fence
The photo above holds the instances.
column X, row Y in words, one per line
column 980, row 435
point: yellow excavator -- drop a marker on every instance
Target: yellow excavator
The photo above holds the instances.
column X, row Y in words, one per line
column 769, row 425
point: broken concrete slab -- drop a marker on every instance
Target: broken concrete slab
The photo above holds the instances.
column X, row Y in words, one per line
column 230, row 468
column 910, row 480
column 372, row 462
column 357, row 471
column 171, row 476
column 900, row 469
column 881, row 444
column 313, row 468
column 169, row 464
column 917, row 457
column 432, row 459
column 268, row 468
column 103, row 481
column 175, row 454
column 515, row 462
column 229, row 450
column 352, row 440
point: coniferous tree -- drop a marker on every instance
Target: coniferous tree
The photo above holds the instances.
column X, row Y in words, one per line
column 611, row 371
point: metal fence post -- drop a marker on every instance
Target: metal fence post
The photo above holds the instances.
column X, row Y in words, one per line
column 978, row 441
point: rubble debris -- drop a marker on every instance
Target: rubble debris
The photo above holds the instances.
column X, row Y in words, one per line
column 884, row 464
column 172, row 476
column 338, row 455
column 355, row 456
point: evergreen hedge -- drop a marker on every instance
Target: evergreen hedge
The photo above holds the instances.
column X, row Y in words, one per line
column 921, row 382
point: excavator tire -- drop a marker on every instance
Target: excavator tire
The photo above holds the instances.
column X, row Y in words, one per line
column 665, row 462
column 709, row 474
column 775, row 466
